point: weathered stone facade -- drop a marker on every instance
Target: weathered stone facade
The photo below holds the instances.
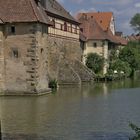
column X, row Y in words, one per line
column 63, row 55
column 23, row 59
column 2, row 70
column 33, row 52
column 30, row 58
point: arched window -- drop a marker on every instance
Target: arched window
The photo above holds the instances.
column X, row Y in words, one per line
column 65, row 26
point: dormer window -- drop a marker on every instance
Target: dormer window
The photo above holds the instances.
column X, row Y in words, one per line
column 84, row 16
column 37, row 1
column 42, row 3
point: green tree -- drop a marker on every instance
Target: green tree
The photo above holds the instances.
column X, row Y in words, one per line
column 137, row 131
column 113, row 55
column 135, row 22
column 120, row 66
column 131, row 55
column 95, row 62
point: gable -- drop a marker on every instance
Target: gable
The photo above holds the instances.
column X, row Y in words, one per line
column 53, row 8
column 102, row 18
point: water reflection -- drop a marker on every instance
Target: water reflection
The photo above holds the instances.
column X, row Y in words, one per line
column 99, row 111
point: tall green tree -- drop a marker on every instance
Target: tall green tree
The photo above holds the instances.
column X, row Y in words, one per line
column 120, row 66
column 137, row 131
column 131, row 55
column 95, row 62
column 135, row 22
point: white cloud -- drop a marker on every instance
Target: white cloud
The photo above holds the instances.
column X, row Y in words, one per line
column 137, row 5
column 87, row 10
column 112, row 2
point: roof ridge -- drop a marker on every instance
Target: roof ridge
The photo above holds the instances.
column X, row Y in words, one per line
column 34, row 11
column 64, row 9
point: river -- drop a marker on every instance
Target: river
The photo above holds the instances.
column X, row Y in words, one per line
column 98, row 111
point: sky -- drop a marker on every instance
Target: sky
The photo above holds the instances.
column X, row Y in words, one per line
column 123, row 10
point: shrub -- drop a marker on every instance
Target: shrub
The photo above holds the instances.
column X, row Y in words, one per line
column 137, row 132
column 95, row 62
column 53, row 84
column 120, row 66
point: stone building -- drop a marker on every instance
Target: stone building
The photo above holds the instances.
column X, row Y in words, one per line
column 99, row 29
column 39, row 41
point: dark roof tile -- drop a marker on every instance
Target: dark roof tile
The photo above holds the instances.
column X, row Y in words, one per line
column 53, row 7
column 22, row 11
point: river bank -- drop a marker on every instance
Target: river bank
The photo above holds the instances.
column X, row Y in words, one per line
column 99, row 111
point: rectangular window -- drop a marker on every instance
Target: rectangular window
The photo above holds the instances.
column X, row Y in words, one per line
column 13, row 29
column 15, row 53
column 94, row 45
column 65, row 27
column 44, row 29
column 81, row 29
column 75, row 30
column 61, row 27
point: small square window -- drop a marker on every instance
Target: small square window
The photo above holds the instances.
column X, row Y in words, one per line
column 13, row 29
column 81, row 29
column 15, row 53
column 41, row 50
column 61, row 26
column 95, row 45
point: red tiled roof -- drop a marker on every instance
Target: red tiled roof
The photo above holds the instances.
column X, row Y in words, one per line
column 122, row 40
column 138, row 37
column 93, row 31
column 22, row 11
column 132, row 38
column 102, row 18
column 112, row 37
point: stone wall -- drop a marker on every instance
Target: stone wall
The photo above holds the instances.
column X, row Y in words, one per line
column 85, row 74
column 30, row 58
column 65, row 61
column 2, row 72
column 67, row 74
column 61, row 50
column 25, row 72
